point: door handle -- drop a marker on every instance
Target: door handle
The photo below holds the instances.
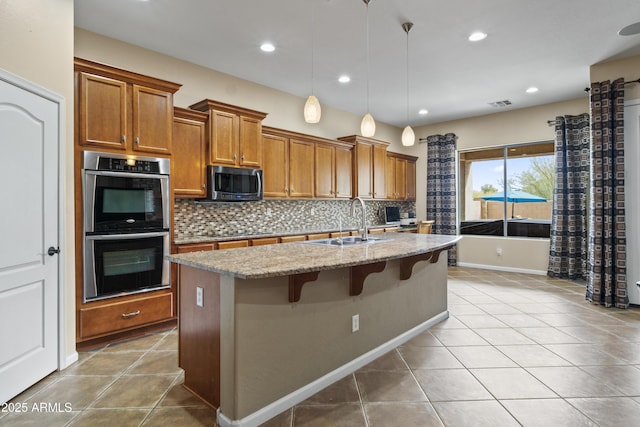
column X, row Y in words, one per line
column 52, row 251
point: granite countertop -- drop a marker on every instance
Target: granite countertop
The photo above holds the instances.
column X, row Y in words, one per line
column 222, row 238
column 283, row 259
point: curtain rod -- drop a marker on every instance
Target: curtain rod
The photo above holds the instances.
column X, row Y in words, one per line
column 588, row 89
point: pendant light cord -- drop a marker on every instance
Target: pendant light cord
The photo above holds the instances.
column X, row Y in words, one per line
column 312, row 47
column 367, row 26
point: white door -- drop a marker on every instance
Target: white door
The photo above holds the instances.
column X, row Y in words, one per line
column 632, row 195
column 29, row 138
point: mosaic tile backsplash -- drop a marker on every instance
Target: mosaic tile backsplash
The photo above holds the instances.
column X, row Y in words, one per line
column 216, row 219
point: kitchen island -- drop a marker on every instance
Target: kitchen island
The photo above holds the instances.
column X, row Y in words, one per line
column 263, row 328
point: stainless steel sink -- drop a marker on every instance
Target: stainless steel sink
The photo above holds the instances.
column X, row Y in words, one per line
column 347, row 241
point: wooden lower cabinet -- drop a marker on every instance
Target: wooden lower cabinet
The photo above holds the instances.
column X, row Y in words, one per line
column 232, row 244
column 287, row 239
column 108, row 318
column 264, row 241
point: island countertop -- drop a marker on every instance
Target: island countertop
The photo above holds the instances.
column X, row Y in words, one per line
column 283, row 259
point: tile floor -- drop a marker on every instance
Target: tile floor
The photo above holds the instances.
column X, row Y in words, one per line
column 517, row 350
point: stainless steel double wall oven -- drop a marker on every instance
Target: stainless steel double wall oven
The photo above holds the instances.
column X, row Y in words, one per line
column 126, row 224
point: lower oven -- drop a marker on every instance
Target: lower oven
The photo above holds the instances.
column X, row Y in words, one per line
column 122, row 264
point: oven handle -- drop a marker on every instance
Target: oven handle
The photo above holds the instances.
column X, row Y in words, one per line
column 126, row 236
column 125, row 174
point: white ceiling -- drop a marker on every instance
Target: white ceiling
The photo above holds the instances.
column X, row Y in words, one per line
column 549, row 44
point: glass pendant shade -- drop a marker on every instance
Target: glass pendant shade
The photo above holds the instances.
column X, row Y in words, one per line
column 368, row 126
column 408, row 137
column 312, row 110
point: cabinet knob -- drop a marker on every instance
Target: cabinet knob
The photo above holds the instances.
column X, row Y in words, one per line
column 234, row 157
column 124, row 138
column 137, row 140
column 203, row 186
column 242, row 158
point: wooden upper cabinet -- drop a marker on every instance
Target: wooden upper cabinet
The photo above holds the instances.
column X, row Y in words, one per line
column 369, row 166
column 122, row 110
column 189, row 162
column 325, row 170
column 333, row 171
column 344, row 172
column 401, row 176
column 275, row 164
column 411, row 179
column 235, row 134
column 301, row 168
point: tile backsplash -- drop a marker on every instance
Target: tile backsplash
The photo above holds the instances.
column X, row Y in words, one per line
column 198, row 219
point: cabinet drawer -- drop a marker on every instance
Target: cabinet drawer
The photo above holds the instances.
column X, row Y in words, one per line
column 124, row 315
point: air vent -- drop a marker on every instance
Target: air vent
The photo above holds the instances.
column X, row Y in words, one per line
column 504, row 103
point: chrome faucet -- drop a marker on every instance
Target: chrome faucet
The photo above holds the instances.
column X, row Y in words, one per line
column 365, row 232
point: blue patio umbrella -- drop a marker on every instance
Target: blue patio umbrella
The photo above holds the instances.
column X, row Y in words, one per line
column 514, row 196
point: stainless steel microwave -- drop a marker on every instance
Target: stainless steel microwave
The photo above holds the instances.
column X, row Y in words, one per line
column 229, row 184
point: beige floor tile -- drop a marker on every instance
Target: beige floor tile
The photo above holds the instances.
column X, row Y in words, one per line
column 583, row 354
column 532, row 355
column 78, row 391
column 499, row 308
column 546, row 413
column 571, row 382
column 425, row 339
column 559, row 319
column 590, row 334
column 348, row 415
column 392, row 361
column 548, row 335
column 450, row 384
column 483, row 413
column 480, row 299
column 626, row 379
column 429, row 358
column 454, row 337
column 137, row 391
column 512, row 383
column 610, row 412
column 451, row 323
column 481, row 321
column 284, row 419
column 481, row 357
column 33, row 418
column 401, row 414
column 458, row 309
column 109, row 418
column 389, row 386
column 503, row 336
column 169, row 342
column 342, row 391
column 156, row 362
column 180, row 396
column 520, row 321
column 183, row 417
column 105, row 364
column 136, row 344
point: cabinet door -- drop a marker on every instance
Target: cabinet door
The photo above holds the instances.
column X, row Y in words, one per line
column 411, row 180
column 275, row 166
column 379, row 171
column 102, row 111
column 301, row 168
column 364, row 156
column 152, row 120
column 325, row 170
column 400, row 179
column 391, row 178
column 344, row 172
column 223, row 138
column 188, row 161
column 250, row 142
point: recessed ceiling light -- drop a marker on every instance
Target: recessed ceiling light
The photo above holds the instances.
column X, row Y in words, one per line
column 630, row 30
column 532, row 89
column 344, row 79
column 267, row 47
column 477, row 36
column 423, row 112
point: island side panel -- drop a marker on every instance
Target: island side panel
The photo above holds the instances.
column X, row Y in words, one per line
column 199, row 333
column 281, row 347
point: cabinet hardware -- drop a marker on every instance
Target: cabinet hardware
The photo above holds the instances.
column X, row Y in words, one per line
column 137, row 140
column 124, row 138
column 203, row 186
column 126, row 315
column 234, row 157
column 242, row 158
column 52, row 251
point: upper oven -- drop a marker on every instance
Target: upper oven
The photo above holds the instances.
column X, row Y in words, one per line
column 125, row 194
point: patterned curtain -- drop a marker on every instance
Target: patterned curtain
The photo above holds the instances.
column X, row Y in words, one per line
column 441, row 186
column 607, row 281
column 568, row 242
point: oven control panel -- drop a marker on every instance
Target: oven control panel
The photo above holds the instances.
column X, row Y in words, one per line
column 128, row 165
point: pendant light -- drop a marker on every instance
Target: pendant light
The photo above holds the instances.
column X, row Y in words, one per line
column 312, row 110
column 408, row 137
column 368, row 125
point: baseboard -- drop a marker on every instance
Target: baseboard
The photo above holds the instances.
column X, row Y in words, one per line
column 264, row 414
column 70, row 360
column 501, row 268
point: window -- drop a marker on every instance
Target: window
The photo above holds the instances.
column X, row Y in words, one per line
column 525, row 171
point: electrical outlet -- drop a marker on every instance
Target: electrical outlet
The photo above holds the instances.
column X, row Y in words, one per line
column 199, row 302
column 313, row 211
column 499, row 251
column 269, row 211
column 355, row 323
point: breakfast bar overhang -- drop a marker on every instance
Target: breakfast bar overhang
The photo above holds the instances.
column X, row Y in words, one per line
column 263, row 328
